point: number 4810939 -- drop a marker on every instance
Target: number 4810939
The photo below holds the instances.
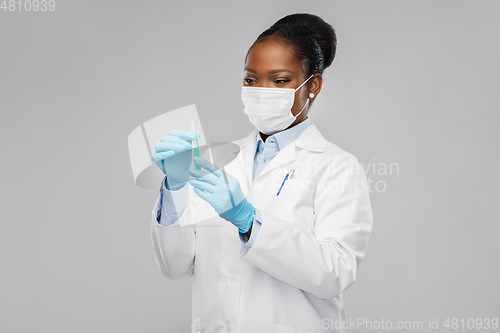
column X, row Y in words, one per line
column 28, row 5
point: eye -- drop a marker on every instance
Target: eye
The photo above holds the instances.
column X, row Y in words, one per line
column 282, row 81
column 249, row 81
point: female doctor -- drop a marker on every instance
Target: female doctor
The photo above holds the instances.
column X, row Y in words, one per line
column 274, row 238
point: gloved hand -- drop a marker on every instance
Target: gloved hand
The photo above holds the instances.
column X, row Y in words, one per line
column 173, row 156
column 223, row 193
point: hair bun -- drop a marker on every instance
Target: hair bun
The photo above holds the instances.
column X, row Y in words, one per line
column 321, row 31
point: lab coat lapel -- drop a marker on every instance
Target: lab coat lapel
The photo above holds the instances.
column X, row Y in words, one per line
column 283, row 157
column 247, row 154
column 311, row 139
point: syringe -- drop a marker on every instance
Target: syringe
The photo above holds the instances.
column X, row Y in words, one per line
column 196, row 145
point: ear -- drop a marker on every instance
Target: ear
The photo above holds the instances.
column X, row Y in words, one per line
column 315, row 87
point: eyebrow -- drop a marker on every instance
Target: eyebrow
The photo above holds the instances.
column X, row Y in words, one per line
column 270, row 72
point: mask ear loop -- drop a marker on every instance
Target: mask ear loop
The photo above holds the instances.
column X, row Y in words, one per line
column 304, row 82
column 302, row 109
column 307, row 99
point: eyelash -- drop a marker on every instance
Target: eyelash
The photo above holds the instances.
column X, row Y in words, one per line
column 283, row 81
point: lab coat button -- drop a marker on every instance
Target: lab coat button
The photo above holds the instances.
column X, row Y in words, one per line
column 229, row 327
column 233, row 278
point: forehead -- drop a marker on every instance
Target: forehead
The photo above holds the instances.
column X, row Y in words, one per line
column 270, row 54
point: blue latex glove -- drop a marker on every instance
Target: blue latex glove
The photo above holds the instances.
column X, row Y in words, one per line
column 223, row 193
column 174, row 156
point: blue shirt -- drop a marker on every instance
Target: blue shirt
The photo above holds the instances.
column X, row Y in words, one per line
column 264, row 153
column 168, row 213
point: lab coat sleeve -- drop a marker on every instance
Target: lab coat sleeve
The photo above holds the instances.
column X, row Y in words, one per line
column 323, row 262
column 173, row 245
column 246, row 241
column 172, row 204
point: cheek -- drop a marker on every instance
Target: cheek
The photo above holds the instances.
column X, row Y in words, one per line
column 299, row 102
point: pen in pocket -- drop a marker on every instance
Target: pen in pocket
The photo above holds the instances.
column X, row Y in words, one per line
column 288, row 176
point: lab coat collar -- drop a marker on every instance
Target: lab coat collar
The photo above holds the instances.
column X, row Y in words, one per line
column 310, row 139
column 287, row 136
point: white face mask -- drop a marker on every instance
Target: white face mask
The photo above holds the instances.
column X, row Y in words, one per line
column 270, row 109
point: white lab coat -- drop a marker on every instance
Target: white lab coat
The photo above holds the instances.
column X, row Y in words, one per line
column 311, row 242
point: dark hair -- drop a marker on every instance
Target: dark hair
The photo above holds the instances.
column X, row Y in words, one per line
column 314, row 41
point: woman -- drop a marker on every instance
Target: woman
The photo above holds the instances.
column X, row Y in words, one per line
column 281, row 231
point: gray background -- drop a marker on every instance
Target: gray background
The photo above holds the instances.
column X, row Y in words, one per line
column 414, row 83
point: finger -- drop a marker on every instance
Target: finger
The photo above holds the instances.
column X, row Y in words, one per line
column 162, row 146
column 176, row 139
column 199, row 174
column 201, row 194
column 204, row 176
column 157, row 157
column 201, row 185
column 208, row 166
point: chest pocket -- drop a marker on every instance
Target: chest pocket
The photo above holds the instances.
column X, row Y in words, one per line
column 294, row 203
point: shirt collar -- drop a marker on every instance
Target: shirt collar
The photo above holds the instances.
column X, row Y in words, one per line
column 284, row 138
